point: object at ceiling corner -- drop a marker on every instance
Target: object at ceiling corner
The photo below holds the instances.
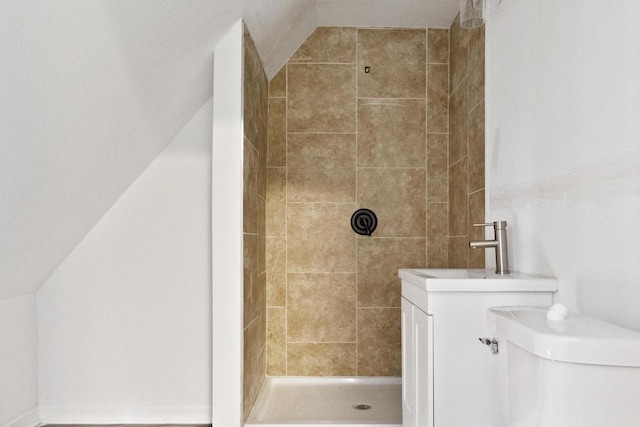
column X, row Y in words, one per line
column 472, row 12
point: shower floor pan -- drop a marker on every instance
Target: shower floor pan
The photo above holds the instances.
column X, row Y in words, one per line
column 328, row 401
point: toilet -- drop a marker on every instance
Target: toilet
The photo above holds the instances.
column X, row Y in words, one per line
column 575, row 371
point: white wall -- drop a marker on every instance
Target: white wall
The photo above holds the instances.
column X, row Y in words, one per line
column 18, row 359
column 563, row 147
column 125, row 321
column 91, row 91
column 226, row 228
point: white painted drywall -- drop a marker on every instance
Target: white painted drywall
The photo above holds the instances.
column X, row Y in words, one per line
column 125, row 321
column 563, row 147
column 385, row 13
column 90, row 92
column 227, row 213
column 18, row 358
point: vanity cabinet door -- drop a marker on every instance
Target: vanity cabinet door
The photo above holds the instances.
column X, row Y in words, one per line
column 408, row 366
column 417, row 366
column 423, row 343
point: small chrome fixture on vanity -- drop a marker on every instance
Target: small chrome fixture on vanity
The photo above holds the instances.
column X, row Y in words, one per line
column 499, row 242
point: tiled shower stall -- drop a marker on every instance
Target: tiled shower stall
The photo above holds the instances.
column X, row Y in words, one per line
column 386, row 119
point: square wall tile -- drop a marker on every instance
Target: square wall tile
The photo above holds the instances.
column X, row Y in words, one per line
column 328, row 44
column 277, row 134
column 458, row 198
column 320, row 238
column 437, row 46
column 276, row 341
column 321, row 307
column 476, row 149
column 305, row 359
column 321, row 98
column 379, row 342
column 459, row 123
column 276, row 252
column 278, row 83
column 321, row 168
column 378, row 262
column 397, row 58
column 437, row 98
column 391, row 132
column 397, row 196
column 437, row 235
column 276, row 204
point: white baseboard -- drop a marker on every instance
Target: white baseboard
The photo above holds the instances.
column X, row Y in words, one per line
column 30, row 418
column 58, row 415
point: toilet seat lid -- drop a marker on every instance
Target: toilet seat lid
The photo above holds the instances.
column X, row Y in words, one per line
column 576, row 339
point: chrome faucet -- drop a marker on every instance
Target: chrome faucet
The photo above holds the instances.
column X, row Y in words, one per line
column 499, row 242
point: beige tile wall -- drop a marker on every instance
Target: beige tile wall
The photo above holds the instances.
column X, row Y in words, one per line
column 341, row 139
column 466, row 146
column 254, row 242
column 405, row 140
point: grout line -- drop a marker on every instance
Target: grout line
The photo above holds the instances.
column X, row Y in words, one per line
column 459, row 84
column 392, row 99
column 477, row 105
column 321, row 63
column 321, row 133
column 278, row 97
column 319, row 203
column 286, row 222
column 458, row 161
column 390, row 237
column 392, row 167
column 251, row 145
column 356, row 201
column 426, row 149
column 323, row 272
column 323, row 342
column 468, row 113
column 448, row 168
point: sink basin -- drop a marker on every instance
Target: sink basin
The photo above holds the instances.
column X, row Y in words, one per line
column 475, row 280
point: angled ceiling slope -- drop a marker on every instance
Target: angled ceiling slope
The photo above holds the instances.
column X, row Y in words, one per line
column 92, row 90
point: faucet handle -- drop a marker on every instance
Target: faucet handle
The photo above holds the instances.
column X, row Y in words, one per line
column 498, row 225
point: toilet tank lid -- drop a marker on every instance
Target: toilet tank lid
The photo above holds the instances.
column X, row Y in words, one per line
column 576, row 339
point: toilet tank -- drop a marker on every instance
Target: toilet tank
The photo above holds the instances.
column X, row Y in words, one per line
column 576, row 372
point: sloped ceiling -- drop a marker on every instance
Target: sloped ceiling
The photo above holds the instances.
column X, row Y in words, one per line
column 92, row 90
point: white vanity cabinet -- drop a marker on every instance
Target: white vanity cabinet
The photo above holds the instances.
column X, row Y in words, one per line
column 417, row 366
column 448, row 376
